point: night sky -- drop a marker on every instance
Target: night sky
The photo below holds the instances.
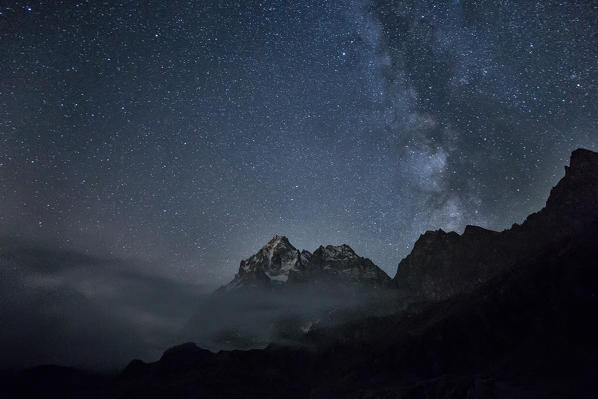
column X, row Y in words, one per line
column 185, row 134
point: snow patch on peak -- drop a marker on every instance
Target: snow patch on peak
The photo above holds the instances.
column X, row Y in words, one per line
column 275, row 260
column 277, row 241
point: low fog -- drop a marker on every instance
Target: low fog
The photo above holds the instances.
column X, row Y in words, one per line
column 69, row 308
column 253, row 318
column 65, row 307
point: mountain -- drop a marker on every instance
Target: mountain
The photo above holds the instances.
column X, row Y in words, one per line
column 487, row 315
column 272, row 264
column 341, row 263
column 280, row 263
column 280, row 293
column 443, row 264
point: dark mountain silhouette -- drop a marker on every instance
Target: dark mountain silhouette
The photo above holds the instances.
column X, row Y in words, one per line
column 444, row 264
column 485, row 315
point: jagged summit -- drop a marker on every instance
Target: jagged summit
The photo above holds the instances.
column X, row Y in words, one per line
column 574, row 200
column 279, row 262
column 444, row 264
column 272, row 264
column 341, row 263
column 278, row 240
column 342, row 251
column 276, row 259
column 583, row 159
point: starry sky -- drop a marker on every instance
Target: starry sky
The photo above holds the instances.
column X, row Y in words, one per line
column 185, row 134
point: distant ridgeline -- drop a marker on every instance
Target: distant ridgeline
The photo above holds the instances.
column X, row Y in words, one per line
column 441, row 264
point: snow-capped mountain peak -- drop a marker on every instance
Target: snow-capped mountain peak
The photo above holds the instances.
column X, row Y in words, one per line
column 271, row 264
column 279, row 262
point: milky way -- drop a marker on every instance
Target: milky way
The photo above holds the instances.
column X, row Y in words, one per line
column 186, row 134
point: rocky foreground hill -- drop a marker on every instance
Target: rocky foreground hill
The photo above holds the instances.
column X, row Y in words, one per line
column 486, row 315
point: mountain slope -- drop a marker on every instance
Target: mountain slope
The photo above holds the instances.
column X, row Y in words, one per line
column 442, row 264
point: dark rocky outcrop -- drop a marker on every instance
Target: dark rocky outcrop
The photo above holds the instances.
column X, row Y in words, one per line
column 442, row 264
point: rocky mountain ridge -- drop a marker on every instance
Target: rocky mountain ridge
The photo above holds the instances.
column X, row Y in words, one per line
column 442, row 265
column 279, row 263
